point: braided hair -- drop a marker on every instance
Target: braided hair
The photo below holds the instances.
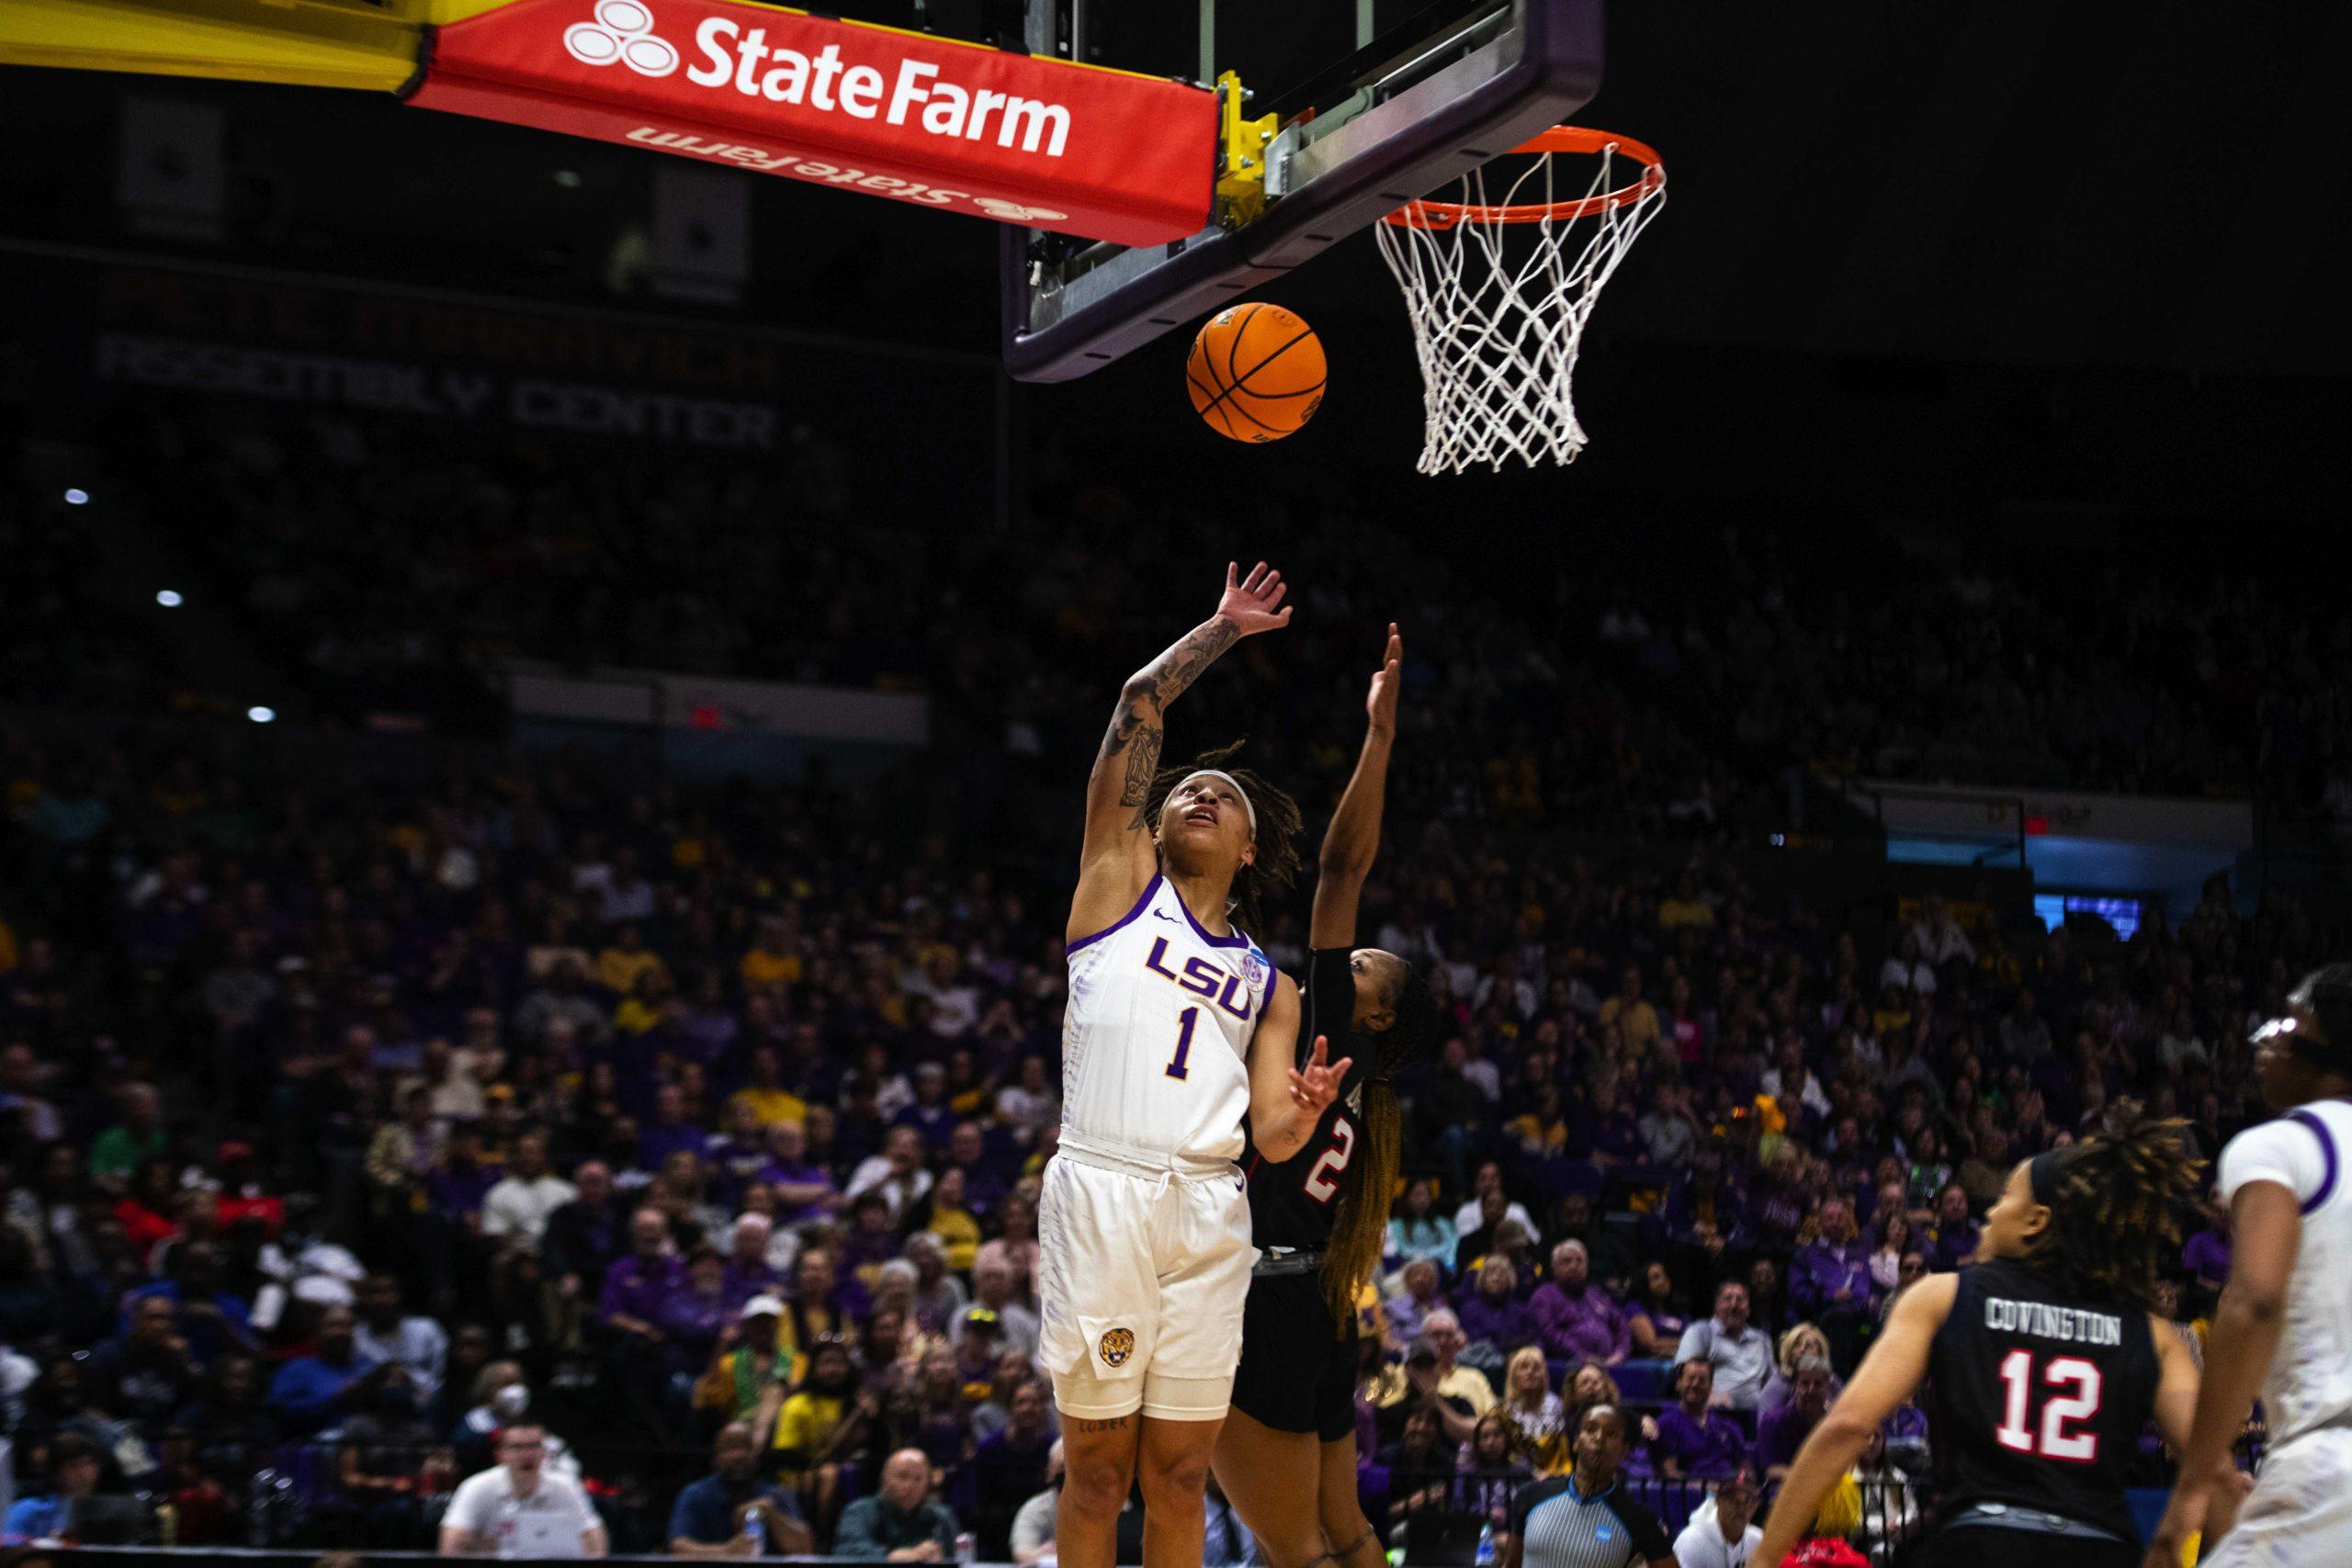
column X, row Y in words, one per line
column 1278, row 823
column 2118, row 1202
column 1360, row 1218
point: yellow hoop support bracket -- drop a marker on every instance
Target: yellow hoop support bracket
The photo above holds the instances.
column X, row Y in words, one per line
column 1241, row 155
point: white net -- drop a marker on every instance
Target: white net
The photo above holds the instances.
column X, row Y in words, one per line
column 1499, row 293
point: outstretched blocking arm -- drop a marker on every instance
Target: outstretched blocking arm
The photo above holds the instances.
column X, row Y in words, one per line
column 1285, row 1099
column 1893, row 1368
column 1116, row 857
column 1353, row 838
column 2266, row 1235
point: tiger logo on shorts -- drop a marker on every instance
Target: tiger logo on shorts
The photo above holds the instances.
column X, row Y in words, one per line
column 1116, row 1346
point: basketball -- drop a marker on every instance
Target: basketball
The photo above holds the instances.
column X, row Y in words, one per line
column 1256, row 372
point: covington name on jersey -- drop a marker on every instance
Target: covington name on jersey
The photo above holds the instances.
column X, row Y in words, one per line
column 2068, row 1325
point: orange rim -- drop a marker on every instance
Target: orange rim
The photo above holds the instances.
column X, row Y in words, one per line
column 1559, row 138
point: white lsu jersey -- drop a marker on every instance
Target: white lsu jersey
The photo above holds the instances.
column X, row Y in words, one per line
column 1155, row 1037
column 2309, row 1382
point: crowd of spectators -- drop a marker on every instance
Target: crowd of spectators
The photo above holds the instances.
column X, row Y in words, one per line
column 346, row 1133
column 385, row 565
column 534, row 1123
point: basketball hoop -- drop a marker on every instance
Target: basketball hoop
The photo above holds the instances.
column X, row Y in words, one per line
column 1499, row 293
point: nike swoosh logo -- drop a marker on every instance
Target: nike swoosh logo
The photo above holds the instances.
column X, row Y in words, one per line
column 1164, row 914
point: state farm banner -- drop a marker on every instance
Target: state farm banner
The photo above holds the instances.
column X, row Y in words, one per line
column 932, row 121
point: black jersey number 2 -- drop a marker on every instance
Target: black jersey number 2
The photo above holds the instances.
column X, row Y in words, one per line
column 1323, row 1182
column 2073, row 1385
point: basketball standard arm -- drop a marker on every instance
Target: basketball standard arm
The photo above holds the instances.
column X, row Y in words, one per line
column 2266, row 1232
column 1285, row 1099
column 1888, row 1374
column 1116, row 856
column 1353, row 838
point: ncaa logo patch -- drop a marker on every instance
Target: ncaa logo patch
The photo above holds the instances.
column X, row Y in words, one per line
column 1115, row 1346
column 1253, row 968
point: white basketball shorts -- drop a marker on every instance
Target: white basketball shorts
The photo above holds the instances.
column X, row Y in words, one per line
column 2299, row 1515
column 1143, row 1268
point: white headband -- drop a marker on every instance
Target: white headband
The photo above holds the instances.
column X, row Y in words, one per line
column 1219, row 773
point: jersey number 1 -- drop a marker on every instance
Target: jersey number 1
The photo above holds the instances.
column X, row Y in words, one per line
column 2081, row 1404
column 1190, row 1021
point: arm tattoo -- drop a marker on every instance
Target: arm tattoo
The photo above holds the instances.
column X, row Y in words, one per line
column 1182, row 665
column 1135, row 731
column 1152, row 688
column 1143, row 764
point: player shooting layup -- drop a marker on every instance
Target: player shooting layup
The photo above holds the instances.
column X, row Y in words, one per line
column 1178, row 1027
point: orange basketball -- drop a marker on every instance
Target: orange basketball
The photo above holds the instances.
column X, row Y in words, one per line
column 1256, row 372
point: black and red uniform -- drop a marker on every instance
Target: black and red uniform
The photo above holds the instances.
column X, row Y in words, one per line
column 2037, row 1398
column 1298, row 1369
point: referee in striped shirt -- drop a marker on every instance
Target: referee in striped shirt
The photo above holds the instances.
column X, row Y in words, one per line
column 1584, row 1519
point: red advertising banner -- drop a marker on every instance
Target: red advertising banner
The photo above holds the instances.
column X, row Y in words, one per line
column 932, row 121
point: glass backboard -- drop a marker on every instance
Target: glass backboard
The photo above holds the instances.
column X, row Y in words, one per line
column 1361, row 107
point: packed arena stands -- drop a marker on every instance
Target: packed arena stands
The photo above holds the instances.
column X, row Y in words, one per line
column 353, row 1125
column 1627, row 695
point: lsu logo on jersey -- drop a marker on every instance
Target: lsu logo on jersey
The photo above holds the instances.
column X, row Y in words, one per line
column 1115, row 1346
column 1202, row 976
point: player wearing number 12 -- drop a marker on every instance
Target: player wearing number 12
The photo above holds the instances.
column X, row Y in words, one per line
column 1177, row 1030
column 2044, row 1360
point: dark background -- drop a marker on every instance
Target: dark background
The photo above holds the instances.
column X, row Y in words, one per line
column 2061, row 270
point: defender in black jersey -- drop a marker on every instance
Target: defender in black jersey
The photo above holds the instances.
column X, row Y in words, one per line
column 2043, row 1360
column 1287, row 1455
column 1298, row 1366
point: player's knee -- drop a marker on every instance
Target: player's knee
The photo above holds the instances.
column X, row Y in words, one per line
column 1348, row 1531
column 1292, row 1549
column 1177, row 1477
column 1094, row 1486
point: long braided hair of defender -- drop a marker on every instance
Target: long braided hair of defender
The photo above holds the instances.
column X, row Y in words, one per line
column 1276, row 865
column 2119, row 1203
column 1360, row 1218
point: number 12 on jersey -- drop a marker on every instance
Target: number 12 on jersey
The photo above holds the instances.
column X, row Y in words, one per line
column 2054, row 1440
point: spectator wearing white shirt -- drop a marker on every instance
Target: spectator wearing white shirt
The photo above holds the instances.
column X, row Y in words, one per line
column 628, row 895
column 1032, row 1527
column 1907, row 969
column 1722, row 1533
column 384, row 1335
column 1490, row 1178
column 516, row 1208
column 1939, row 935
column 896, row 1173
column 515, row 1509
column 1505, row 985
column 954, row 1001
column 1029, row 1106
column 1740, row 1353
column 1481, row 1072
column 20, row 1076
